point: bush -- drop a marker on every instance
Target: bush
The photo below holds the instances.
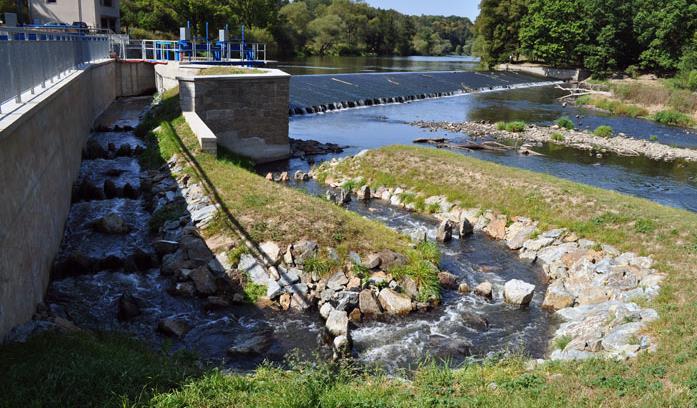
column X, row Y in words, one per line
column 653, row 138
column 632, row 71
column 515, row 126
column 672, row 118
column 557, row 137
column 603, row 131
column 565, row 122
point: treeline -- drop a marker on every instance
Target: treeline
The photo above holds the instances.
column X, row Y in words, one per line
column 604, row 36
column 306, row 27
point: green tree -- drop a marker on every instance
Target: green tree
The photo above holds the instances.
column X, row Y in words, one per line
column 326, row 33
column 497, row 29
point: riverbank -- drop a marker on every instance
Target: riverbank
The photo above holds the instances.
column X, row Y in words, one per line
column 582, row 140
column 660, row 100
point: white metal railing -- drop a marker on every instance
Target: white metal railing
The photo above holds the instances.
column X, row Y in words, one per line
column 31, row 58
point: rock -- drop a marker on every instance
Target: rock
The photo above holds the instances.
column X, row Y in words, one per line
column 465, row 228
column 272, row 252
column 553, row 253
column 368, row 304
column 183, row 289
column 364, row 193
column 112, row 224
column 342, row 346
column 325, row 310
column 378, row 278
column 171, row 263
column 196, row 249
column 410, row 287
column 269, row 176
column 445, row 231
column 497, row 227
column 337, row 281
column 519, row 233
column 249, row 265
column 372, row 261
column 354, row 284
column 447, row 280
column 394, row 303
column 304, row 250
column 284, row 177
column 463, row 288
column 164, row 247
column 174, row 327
column 346, row 300
column 289, row 276
column 127, row 307
column 534, row 245
column 419, row 235
column 285, row 301
column 300, row 176
column 252, row 345
column 354, row 258
column 337, row 323
column 390, row 259
column 517, row 292
column 203, row 215
column 203, row 281
column 472, row 319
column 484, row 289
column 355, row 315
column 557, row 297
column 273, row 290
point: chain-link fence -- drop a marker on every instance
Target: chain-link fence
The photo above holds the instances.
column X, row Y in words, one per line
column 31, row 59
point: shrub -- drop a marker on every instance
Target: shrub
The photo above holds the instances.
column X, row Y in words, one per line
column 561, row 342
column 603, row 131
column 565, row 122
column 653, row 138
column 632, row 71
column 501, row 125
column 672, row 118
column 557, row 137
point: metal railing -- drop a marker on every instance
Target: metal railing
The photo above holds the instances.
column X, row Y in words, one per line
column 169, row 50
column 32, row 58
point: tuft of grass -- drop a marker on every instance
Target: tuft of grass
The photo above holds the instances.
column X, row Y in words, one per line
column 557, row 137
column 604, row 131
column 673, row 118
column 560, row 343
column 253, row 292
column 613, row 106
column 653, row 138
column 515, row 126
column 565, row 123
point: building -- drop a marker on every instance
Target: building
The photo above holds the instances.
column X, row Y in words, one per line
column 95, row 13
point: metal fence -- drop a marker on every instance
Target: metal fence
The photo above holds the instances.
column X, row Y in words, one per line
column 169, row 50
column 31, row 59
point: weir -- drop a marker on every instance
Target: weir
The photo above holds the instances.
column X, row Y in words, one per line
column 320, row 93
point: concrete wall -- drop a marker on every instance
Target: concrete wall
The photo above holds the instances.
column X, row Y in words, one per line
column 40, row 155
column 166, row 75
column 135, row 78
column 247, row 113
column 547, row 72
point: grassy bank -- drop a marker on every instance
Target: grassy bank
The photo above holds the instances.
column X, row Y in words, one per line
column 660, row 100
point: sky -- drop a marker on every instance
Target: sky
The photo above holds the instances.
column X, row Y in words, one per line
column 466, row 8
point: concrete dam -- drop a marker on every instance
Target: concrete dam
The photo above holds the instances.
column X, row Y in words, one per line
column 320, row 93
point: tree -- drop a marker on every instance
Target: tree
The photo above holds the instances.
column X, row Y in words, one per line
column 326, row 32
column 497, row 29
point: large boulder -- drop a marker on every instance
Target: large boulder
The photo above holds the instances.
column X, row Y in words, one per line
column 128, row 307
column 112, row 223
column 337, row 323
column 394, row 303
column 337, row 281
column 304, row 250
column 447, row 280
column 517, row 292
column 253, row 344
column 254, row 270
column 272, row 251
column 174, row 327
column 497, row 227
column 518, row 233
column 465, row 228
column 368, row 304
column 484, row 289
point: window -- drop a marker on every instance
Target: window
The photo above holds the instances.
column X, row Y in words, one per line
column 107, row 3
column 50, row 1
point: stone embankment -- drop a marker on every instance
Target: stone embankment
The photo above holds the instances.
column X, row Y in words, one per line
column 593, row 287
column 576, row 139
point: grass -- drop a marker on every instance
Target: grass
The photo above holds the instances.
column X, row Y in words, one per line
column 673, row 118
column 254, row 292
column 613, row 106
column 603, row 131
column 629, row 223
column 565, row 123
column 228, row 70
column 268, row 211
column 557, row 137
column 515, row 126
column 561, row 342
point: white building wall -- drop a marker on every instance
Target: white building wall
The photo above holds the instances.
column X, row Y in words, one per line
column 96, row 13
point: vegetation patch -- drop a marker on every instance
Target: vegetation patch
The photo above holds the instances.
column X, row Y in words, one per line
column 229, row 70
column 613, row 106
column 673, row 118
column 565, row 123
column 603, row 131
column 557, row 137
column 515, row 126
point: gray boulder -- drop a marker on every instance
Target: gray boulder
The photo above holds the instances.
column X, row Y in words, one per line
column 368, row 304
column 445, row 231
column 394, row 303
column 337, row 323
column 517, row 292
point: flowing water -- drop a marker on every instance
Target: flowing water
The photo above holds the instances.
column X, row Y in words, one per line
column 342, row 65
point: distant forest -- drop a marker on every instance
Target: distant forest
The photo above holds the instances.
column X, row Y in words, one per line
column 305, row 27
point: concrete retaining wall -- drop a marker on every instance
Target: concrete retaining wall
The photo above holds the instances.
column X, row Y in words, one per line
column 547, row 72
column 40, row 156
column 247, row 113
column 135, row 78
column 166, row 75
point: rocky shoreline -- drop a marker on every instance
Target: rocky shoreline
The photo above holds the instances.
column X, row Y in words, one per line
column 593, row 288
column 583, row 140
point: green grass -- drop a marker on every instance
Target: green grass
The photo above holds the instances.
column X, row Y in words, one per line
column 228, row 70
column 673, row 118
column 515, row 126
column 560, row 343
column 557, row 137
column 603, row 131
column 629, row 223
column 254, row 292
column 565, row 123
